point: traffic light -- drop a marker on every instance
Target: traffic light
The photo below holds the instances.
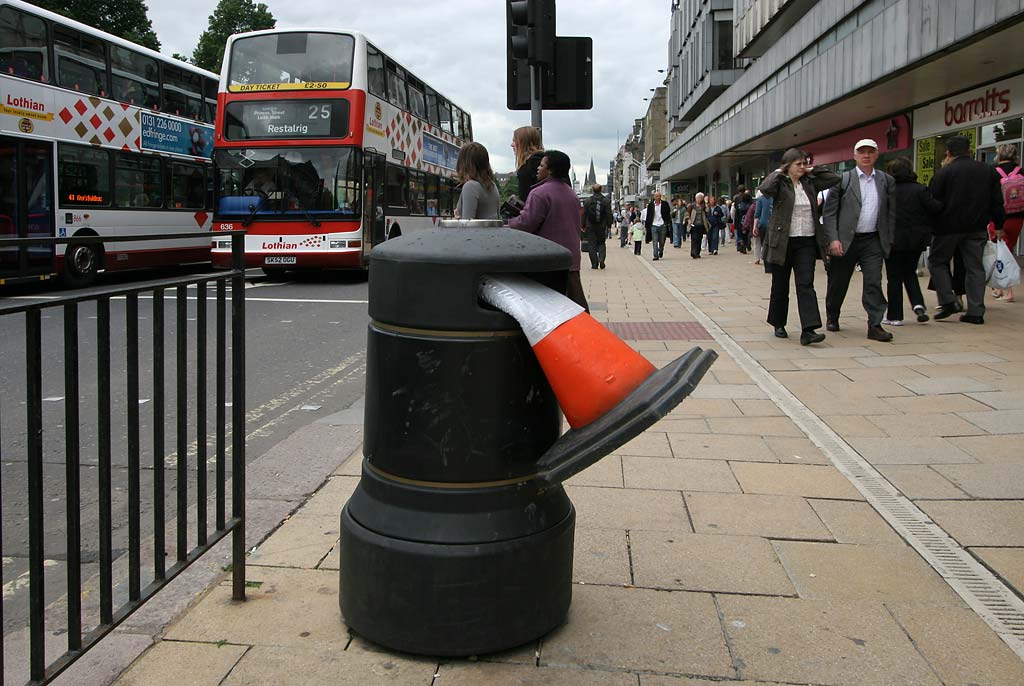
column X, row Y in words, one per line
column 567, row 82
column 531, row 30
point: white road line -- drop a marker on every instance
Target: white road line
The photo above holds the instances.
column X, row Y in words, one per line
column 989, row 597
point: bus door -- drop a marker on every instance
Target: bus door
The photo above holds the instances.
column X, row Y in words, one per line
column 26, row 206
column 373, row 208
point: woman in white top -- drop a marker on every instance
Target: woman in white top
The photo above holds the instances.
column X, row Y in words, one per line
column 479, row 198
column 795, row 240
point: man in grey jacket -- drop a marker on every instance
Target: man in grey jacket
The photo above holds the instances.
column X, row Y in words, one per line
column 859, row 219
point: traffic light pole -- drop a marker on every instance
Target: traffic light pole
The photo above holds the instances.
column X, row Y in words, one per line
column 536, row 91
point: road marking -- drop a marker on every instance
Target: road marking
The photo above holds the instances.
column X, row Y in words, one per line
column 989, row 597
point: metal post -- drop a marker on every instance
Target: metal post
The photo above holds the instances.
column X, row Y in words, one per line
column 536, row 94
column 238, row 416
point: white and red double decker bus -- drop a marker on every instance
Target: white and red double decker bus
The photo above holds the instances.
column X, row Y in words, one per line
column 98, row 137
column 325, row 147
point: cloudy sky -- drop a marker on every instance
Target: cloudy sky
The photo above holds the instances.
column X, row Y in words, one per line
column 458, row 46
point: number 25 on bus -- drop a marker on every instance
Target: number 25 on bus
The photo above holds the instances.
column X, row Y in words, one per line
column 326, row 147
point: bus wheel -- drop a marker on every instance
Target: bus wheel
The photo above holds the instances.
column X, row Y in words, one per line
column 81, row 264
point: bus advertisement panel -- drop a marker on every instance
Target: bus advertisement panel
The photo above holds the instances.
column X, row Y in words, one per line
column 324, row 147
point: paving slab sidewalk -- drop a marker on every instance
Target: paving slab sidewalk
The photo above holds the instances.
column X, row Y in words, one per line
column 721, row 546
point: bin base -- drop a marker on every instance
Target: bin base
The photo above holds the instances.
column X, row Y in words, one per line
column 455, row 600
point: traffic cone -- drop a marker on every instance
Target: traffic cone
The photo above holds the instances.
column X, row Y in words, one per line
column 589, row 368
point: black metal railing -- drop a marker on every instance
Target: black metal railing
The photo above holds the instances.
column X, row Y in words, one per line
column 107, row 616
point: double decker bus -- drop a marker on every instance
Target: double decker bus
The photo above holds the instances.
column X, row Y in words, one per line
column 325, row 147
column 98, row 137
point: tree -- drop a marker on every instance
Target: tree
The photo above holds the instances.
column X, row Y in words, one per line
column 511, row 188
column 127, row 19
column 230, row 16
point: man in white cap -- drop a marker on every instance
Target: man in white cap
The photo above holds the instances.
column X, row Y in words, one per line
column 859, row 218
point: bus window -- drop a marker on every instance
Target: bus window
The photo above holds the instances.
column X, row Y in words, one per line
column 417, row 193
column 23, row 44
column 416, row 103
column 83, row 175
column 396, row 86
column 138, row 182
column 432, row 107
column 446, row 115
column 433, row 196
column 468, row 125
column 292, row 57
column 458, row 123
column 449, row 197
column 136, row 79
column 182, row 93
column 397, row 187
column 210, row 93
column 81, row 61
column 375, row 78
column 187, row 187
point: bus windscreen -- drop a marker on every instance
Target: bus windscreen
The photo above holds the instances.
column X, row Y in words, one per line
column 291, row 61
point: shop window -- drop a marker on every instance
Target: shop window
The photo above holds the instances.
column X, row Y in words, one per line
column 375, row 78
column 136, row 77
column 396, row 191
column 1004, row 131
column 187, row 187
column 83, row 176
column 138, row 182
column 81, row 61
column 23, row 45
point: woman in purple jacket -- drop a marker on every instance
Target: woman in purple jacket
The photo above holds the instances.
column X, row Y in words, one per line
column 552, row 211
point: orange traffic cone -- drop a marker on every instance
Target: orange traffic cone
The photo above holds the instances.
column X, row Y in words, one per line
column 589, row 368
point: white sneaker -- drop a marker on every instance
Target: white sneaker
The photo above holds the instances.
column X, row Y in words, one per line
column 893, row 322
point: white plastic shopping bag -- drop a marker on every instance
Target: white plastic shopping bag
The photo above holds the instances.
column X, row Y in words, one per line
column 1005, row 270
column 988, row 260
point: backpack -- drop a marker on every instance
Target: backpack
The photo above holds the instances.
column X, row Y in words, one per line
column 595, row 213
column 1013, row 190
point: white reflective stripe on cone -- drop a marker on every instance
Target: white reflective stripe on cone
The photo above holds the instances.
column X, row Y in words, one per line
column 538, row 309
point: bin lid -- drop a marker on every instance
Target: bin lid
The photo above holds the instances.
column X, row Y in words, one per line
column 429, row 278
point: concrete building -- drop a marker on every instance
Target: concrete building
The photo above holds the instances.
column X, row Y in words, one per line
column 822, row 75
column 628, row 169
column 655, row 138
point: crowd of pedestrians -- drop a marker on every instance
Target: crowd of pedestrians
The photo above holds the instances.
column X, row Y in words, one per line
column 863, row 219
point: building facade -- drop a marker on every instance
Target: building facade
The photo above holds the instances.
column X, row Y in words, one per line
column 821, row 75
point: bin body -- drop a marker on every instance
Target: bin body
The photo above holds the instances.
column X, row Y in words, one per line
column 449, row 544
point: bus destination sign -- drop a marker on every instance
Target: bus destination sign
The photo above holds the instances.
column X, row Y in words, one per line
column 287, row 119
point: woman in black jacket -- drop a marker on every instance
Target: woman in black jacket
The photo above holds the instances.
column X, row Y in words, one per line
column 915, row 208
column 529, row 151
column 795, row 240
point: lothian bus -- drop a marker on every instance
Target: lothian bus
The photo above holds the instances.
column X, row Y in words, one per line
column 325, row 146
column 98, row 137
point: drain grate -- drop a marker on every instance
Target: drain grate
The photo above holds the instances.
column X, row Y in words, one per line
column 990, row 598
column 659, row 331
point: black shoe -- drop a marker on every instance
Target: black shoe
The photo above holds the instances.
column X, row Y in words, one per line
column 971, row 319
column 780, row 332
column 832, row 325
column 808, row 337
column 602, row 265
column 946, row 311
column 877, row 333
column 656, row 259
column 922, row 316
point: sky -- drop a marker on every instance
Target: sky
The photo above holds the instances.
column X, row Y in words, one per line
column 458, row 47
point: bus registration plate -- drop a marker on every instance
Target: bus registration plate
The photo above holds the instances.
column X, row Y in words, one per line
column 279, row 259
